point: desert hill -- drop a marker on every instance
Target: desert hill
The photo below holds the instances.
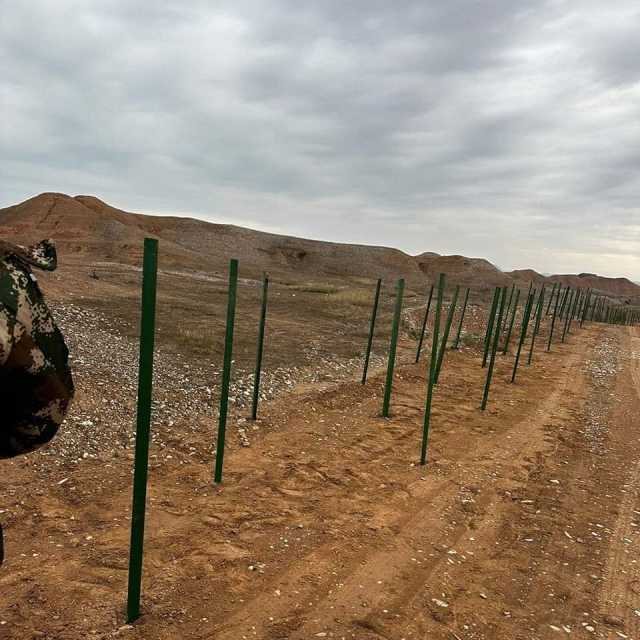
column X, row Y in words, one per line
column 88, row 230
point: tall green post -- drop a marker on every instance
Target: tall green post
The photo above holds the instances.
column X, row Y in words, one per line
column 494, row 349
column 578, row 313
column 489, row 332
column 372, row 326
column 574, row 309
column 507, row 340
column 258, row 373
column 536, row 326
column 553, row 291
column 567, row 319
column 464, row 309
column 557, row 313
column 432, row 371
column 523, row 335
column 143, row 425
column 226, row 369
column 395, row 330
column 585, row 308
column 424, row 324
column 447, row 330
column 506, row 313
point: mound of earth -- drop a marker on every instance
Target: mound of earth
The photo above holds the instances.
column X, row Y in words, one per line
column 88, row 231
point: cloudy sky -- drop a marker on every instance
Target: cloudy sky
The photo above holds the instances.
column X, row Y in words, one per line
column 503, row 129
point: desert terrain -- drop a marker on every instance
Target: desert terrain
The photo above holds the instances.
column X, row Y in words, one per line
column 522, row 525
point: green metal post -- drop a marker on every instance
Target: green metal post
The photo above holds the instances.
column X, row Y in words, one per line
column 564, row 312
column 583, row 302
column 557, row 313
column 511, row 323
column 424, row 324
column 143, row 426
column 506, row 313
column 447, row 329
column 553, row 291
column 432, row 371
column 464, row 308
column 585, row 308
column 490, row 323
column 372, row 325
column 536, row 326
column 568, row 314
column 523, row 335
column 256, row 377
column 494, row 349
column 578, row 313
column 226, row 369
column 395, row 329
column 574, row 309
column 560, row 295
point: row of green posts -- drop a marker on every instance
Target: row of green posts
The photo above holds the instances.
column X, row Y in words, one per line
column 564, row 307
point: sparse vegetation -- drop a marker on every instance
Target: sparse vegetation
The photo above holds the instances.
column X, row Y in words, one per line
column 313, row 287
column 472, row 340
column 356, row 297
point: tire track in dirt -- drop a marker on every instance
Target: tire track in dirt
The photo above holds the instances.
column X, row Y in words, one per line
column 620, row 595
column 387, row 578
column 415, row 594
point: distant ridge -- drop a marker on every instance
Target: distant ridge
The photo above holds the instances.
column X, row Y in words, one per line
column 88, row 230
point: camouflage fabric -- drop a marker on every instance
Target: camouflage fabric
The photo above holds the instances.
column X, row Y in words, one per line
column 36, row 386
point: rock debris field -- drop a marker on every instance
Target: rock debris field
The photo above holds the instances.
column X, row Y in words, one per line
column 101, row 421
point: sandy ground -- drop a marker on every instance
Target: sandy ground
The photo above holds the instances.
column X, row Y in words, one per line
column 523, row 525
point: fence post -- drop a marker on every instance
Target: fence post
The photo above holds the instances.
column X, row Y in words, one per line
column 143, row 425
column 424, row 324
column 557, row 313
column 536, row 326
column 431, row 372
column 574, row 309
column 585, row 308
column 372, row 324
column 569, row 308
column 511, row 324
column 506, row 313
column 464, row 308
column 492, row 359
column 258, row 373
column 226, row 369
column 553, row 290
column 395, row 329
column 523, row 335
column 489, row 332
column 447, row 329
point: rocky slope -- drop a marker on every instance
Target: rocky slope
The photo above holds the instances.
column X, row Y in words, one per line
column 89, row 230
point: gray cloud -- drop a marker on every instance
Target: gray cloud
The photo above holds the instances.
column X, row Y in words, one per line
column 497, row 129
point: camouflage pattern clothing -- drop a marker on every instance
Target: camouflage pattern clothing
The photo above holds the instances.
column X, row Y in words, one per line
column 36, row 386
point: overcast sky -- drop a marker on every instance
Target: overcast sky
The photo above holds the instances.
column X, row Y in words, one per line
column 501, row 129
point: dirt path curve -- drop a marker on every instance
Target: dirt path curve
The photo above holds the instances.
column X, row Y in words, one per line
column 325, row 527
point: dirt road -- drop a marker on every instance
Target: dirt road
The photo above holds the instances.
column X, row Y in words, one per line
column 523, row 524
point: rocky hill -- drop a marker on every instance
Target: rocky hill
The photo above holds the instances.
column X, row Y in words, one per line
column 88, row 230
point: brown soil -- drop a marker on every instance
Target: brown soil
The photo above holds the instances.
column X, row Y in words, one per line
column 523, row 524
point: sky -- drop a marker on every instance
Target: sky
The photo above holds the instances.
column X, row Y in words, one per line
column 498, row 129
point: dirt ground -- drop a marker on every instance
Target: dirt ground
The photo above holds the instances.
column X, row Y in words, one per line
column 523, row 524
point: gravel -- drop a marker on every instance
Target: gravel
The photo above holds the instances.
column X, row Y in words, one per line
column 101, row 422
